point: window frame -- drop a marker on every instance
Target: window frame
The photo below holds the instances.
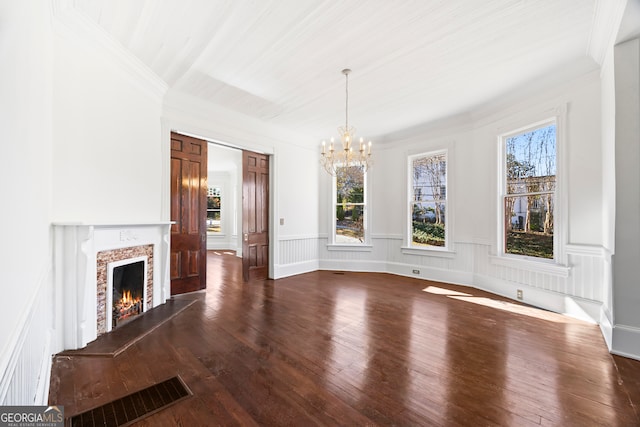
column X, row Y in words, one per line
column 557, row 265
column 366, row 243
column 409, row 247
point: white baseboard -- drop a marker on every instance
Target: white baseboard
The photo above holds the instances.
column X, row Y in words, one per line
column 353, row 265
column 553, row 301
column 626, row 341
column 282, row 271
column 430, row 273
column 606, row 327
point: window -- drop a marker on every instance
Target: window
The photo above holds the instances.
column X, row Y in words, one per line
column 428, row 200
column 528, row 191
column 350, row 205
column 213, row 210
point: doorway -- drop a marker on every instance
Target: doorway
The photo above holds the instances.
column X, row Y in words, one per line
column 222, row 209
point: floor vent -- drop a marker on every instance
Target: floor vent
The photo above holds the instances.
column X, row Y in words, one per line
column 126, row 410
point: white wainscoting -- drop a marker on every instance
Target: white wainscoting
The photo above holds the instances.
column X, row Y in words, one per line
column 579, row 289
column 580, row 294
column 296, row 255
column 26, row 370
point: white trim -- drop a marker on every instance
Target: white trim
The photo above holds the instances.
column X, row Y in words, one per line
column 300, row 237
column 431, row 273
column 356, row 266
column 387, row 236
column 44, row 379
column 606, row 22
column 523, row 263
column 282, row 271
column 448, row 235
column 14, row 348
column 626, row 341
column 428, row 252
column 80, row 27
column 366, row 244
column 349, row 248
column 575, row 307
column 556, row 116
column 606, row 327
column 588, row 250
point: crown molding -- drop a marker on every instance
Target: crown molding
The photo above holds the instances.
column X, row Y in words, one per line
column 606, row 21
column 72, row 23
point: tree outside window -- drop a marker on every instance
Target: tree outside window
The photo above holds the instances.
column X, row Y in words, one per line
column 428, row 204
column 213, row 210
column 350, row 205
column 529, row 192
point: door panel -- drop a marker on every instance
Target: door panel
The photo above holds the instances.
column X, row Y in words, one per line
column 255, row 216
column 189, row 211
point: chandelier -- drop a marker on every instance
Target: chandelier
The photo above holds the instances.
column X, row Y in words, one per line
column 332, row 159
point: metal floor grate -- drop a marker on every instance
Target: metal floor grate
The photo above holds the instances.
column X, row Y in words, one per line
column 126, row 410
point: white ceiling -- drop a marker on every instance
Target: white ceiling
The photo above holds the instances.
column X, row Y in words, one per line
column 413, row 62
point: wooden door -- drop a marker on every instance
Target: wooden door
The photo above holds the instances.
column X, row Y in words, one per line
column 255, row 216
column 188, row 263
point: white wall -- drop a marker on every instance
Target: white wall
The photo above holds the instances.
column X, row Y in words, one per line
column 107, row 156
column 294, row 169
column 575, row 287
column 25, row 177
column 608, row 123
column 81, row 119
column 626, row 294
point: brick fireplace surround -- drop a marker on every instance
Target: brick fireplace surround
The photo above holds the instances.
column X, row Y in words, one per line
column 112, row 255
column 82, row 253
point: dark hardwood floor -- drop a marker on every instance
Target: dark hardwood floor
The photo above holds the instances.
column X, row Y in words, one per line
column 328, row 348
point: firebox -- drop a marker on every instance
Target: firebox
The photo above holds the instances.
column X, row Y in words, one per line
column 126, row 288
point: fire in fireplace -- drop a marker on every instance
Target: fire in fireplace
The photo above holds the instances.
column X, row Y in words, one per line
column 128, row 292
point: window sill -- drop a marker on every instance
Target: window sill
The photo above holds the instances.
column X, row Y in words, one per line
column 538, row 266
column 349, row 248
column 440, row 253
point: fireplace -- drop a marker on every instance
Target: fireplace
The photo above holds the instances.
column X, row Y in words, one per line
column 126, row 289
column 87, row 259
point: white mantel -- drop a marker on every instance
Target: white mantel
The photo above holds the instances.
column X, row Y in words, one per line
column 76, row 248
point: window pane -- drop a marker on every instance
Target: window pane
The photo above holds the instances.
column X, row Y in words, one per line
column 429, row 181
column 350, row 185
column 349, row 223
column 531, row 161
column 428, row 224
column 529, row 225
column 429, row 178
column 530, row 168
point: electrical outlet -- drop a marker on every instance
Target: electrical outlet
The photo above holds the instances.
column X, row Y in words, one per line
column 416, row 271
column 519, row 293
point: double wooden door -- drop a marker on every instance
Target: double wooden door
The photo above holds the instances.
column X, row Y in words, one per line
column 188, row 260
